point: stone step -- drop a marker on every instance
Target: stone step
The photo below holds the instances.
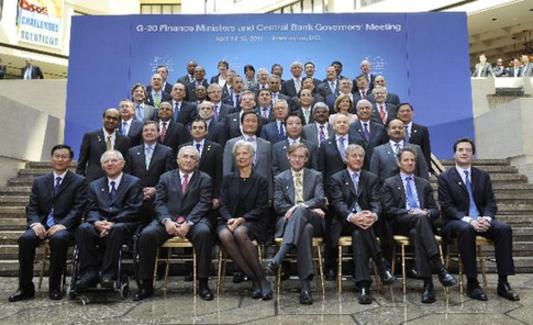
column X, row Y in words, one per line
column 13, row 224
column 522, row 264
column 523, row 234
column 9, row 237
column 20, row 181
column 520, row 248
column 517, row 220
column 10, row 252
column 477, row 162
column 10, row 200
column 37, row 171
column 45, row 164
column 15, row 190
column 515, row 207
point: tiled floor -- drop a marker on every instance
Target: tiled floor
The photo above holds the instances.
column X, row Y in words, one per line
column 234, row 306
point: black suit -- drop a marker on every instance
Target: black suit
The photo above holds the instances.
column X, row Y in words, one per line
column 454, row 202
column 176, row 135
column 211, row 163
column 36, row 72
column 233, row 124
column 123, row 211
column 418, row 227
column 68, row 205
column 194, row 206
column 392, row 112
column 216, row 132
column 184, row 112
column 134, row 132
column 378, row 136
column 420, row 136
column 329, row 157
column 165, row 97
column 280, row 150
column 191, row 95
column 93, row 145
column 289, row 88
column 345, row 200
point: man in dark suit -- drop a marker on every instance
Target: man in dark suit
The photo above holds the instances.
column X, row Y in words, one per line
column 483, row 69
column 320, row 129
column 199, row 80
column 365, row 72
column 31, row 71
column 360, row 89
column 163, row 71
column 309, row 68
column 382, row 112
column 415, row 133
column 182, row 204
column 408, row 202
column 274, row 85
column 55, row 208
column 303, row 106
column 113, row 206
column 148, row 162
column 143, row 112
column 129, row 126
column 527, row 67
column 184, row 112
column 329, row 85
column 354, row 195
column 383, row 162
column 469, row 210
column 515, row 70
column 365, row 130
column 189, row 77
column 280, row 161
column 234, row 95
column 95, row 143
column 391, row 98
column 171, row 134
column 233, row 121
column 216, row 130
column 298, row 201
column 220, row 109
column 264, row 105
column 292, row 86
column 275, row 131
column 155, row 92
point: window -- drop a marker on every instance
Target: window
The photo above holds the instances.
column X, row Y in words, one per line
column 156, row 9
column 306, row 6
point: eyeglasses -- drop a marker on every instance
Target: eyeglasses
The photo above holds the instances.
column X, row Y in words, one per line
column 61, row 157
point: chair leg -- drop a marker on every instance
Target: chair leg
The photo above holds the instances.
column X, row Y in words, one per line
column 43, row 266
column 393, row 261
column 194, row 279
column 339, row 270
column 404, row 280
column 461, row 284
column 278, row 281
column 219, row 277
column 320, row 269
column 259, row 253
column 441, row 255
column 156, row 264
column 482, row 265
column 167, row 267
column 376, row 275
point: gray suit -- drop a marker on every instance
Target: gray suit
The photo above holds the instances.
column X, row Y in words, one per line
column 527, row 70
column 484, row 70
column 310, row 133
column 279, row 156
column 149, row 113
column 295, row 230
column 383, row 162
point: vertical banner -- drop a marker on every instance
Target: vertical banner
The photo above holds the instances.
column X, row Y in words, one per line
column 40, row 22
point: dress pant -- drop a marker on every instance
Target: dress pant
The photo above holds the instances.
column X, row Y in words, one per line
column 59, row 243
column 499, row 233
column 299, row 231
column 91, row 246
column 155, row 235
column 420, row 232
column 364, row 246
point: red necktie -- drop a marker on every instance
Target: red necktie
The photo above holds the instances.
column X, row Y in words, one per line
column 382, row 115
column 185, row 183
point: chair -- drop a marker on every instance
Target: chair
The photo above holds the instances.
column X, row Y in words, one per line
column 403, row 241
column 480, row 242
column 223, row 259
column 176, row 242
column 44, row 259
column 317, row 246
column 346, row 241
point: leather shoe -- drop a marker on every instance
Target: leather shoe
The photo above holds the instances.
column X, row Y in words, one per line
column 387, row 277
column 363, row 296
column 306, row 298
column 22, row 294
column 146, row 290
column 330, row 275
column 239, row 277
column 428, row 297
column 476, row 293
column 446, row 279
column 89, row 279
column 189, row 277
column 412, row 274
column 505, row 291
column 256, row 291
column 106, row 281
column 271, row 268
column 266, row 291
column 55, row 294
column 206, row 294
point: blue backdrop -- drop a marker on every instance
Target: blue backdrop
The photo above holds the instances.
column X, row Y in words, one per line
column 424, row 58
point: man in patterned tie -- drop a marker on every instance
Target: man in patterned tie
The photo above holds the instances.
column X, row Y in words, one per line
column 469, row 210
column 408, row 202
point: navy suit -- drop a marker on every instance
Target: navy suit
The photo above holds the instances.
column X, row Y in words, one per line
column 185, row 113
column 176, row 135
column 191, row 95
column 420, row 136
column 134, row 132
column 211, row 163
column 392, row 112
column 329, row 157
column 68, row 205
column 270, row 132
column 289, row 88
column 165, row 97
column 378, row 136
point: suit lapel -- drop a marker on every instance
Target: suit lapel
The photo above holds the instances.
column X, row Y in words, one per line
column 306, row 183
column 101, row 140
column 457, row 179
column 419, row 193
column 290, row 187
column 66, row 180
column 349, row 183
column 401, row 190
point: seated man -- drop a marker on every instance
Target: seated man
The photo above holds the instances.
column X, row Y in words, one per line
column 298, row 201
column 182, row 204
column 354, row 195
column 469, row 210
column 53, row 215
column 408, row 201
column 113, row 205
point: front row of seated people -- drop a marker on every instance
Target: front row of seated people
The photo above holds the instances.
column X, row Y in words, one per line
column 183, row 202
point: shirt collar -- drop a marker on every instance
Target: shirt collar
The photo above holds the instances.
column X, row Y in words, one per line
column 182, row 174
column 352, row 172
column 116, row 180
column 392, row 143
column 201, row 142
column 337, row 136
column 462, row 170
column 404, row 176
column 106, row 134
column 62, row 176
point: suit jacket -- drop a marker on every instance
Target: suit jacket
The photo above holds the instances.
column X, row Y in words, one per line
column 224, row 111
column 391, row 99
column 392, row 111
column 259, row 111
column 383, row 162
column 217, row 132
column 499, row 71
column 69, row 202
column 176, row 135
column 300, row 113
column 453, row 195
column 165, row 97
column 36, row 72
column 289, row 88
column 184, row 80
column 124, row 208
column 254, row 203
column 163, row 160
column 527, row 70
column 211, row 163
column 394, row 199
column 233, row 125
column 91, row 149
column 511, row 70
column 270, row 132
column 150, row 113
column 484, row 70
column 324, row 90
column 420, row 136
column 284, row 191
column 329, row 157
column 191, row 96
column 280, row 151
column 194, row 204
column 186, row 114
column 378, row 136
column 370, row 82
column 311, row 133
column 134, row 132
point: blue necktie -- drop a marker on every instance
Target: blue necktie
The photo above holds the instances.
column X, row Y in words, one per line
column 281, row 133
column 50, row 219
column 113, row 191
column 341, row 148
column 473, row 212
column 322, row 134
column 366, row 134
column 411, row 199
column 198, row 147
column 139, row 113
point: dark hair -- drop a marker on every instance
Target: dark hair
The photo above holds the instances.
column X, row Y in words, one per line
column 162, row 66
column 406, row 149
column 151, row 122
column 138, row 85
column 309, row 62
column 225, row 63
column 464, row 140
column 248, row 67
column 293, row 114
column 248, row 113
column 200, row 120
column 62, row 146
column 406, row 104
column 276, row 65
column 336, row 62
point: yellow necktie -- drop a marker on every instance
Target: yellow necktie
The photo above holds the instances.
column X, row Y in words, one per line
column 299, row 187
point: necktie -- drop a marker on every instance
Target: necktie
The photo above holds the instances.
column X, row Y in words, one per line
column 157, row 100
column 298, row 187
column 281, row 132
column 113, row 191
column 473, row 212
column 341, row 148
column 362, row 94
column 322, row 135
column 407, row 134
column 396, row 148
column 366, row 133
column 50, row 219
column 265, row 112
column 236, row 100
column 163, row 132
column 148, row 151
column 139, row 112
column 215, row 115
column 355, row 179
column 332, row 86
column 198, row 147
column 177, row 108
column 124, row 130
column 108, row 144
column 185, row 183
column 411, row 199
column 382, row 114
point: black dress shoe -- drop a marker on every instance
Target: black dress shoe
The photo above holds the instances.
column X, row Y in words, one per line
column 446, row 279
column 476, row 293
column 271, row 268
column 306, row 298
column 206, row 294
column 107, row 281
column 363, row 296
column 256, row 291
column 147, row 290
column 22, row 294
column 266, row 291
column 412, row 274
column 505, row 291
column 55, row 294
column 87, row 280
column 428, row 297
column 330, row 275
column 239, row 277
column 387, row 277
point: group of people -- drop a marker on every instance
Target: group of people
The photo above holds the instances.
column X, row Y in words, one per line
column 516, row 68
column 258, row 160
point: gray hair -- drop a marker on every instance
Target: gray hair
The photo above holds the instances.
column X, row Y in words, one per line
column 114, row 152
column 352, row 148
column 296, row 64
column 320, row 105
column 189, row 148
column 361, row 102
column 242, row 143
